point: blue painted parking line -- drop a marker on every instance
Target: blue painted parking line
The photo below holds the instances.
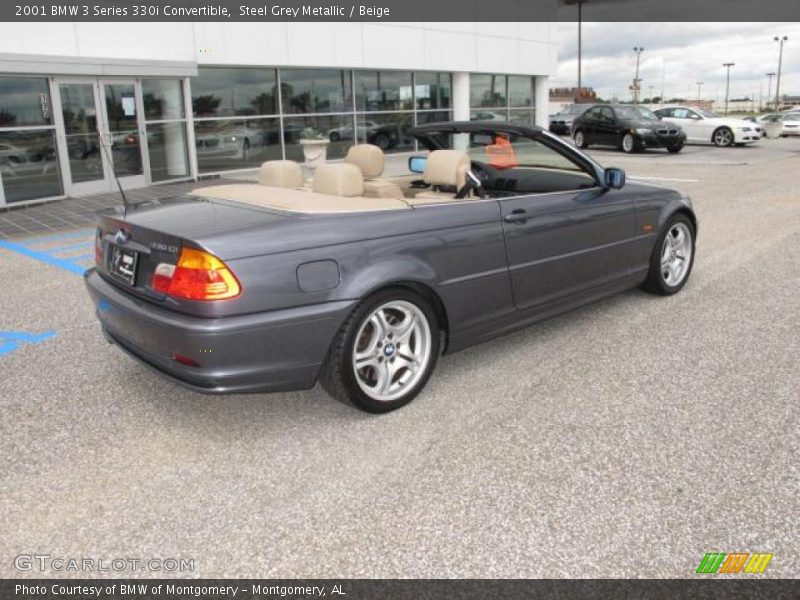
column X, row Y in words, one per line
column 43, row 256
column 11, row 340
column 86, row 232
column 69, row 248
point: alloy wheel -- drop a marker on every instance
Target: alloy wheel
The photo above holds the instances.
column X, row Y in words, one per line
column 392, row 350
column 676, row 254
column 723, row 137
column 627, row 143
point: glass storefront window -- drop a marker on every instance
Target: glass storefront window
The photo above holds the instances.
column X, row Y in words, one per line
column 315, row 91
column 389, row 132
column 337, row 128
column 166, row 145
column 522, row 116
column 434, row 116
column 28, row 165
column 498, row 114
column 520, row 90
column 24, row 101
column 236, row 144
column 225, row 92
column 487, row 90
column 432, row 90
column 163, row 99
column 383, row 90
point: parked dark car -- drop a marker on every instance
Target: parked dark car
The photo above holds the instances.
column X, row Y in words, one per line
column 362, row 281
column 561, row 122
column 630, row 128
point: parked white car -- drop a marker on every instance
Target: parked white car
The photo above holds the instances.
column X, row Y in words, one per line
column 780, row 124
column 705, row 126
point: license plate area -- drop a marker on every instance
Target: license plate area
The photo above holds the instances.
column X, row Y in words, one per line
column 123, row 264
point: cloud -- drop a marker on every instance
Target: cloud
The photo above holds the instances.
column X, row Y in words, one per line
column 677, row 55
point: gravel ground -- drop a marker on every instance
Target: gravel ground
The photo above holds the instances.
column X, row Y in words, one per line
column 627, row 438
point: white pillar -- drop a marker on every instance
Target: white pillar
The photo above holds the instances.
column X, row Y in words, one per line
column 461, row 96
column 461, row 107
column 542, row 101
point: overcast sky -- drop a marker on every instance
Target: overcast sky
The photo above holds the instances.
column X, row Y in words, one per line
column 680, row 54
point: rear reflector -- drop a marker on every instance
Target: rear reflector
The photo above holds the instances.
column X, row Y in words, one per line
column 198, row 275
column 185, row 360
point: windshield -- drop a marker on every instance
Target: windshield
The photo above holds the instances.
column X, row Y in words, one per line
column 707, row 113
column 634, row 112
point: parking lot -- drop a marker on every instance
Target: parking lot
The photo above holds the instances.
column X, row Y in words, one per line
column 628, row 438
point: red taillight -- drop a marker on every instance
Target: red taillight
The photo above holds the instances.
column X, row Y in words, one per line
column 98, row 248
column 198, row 275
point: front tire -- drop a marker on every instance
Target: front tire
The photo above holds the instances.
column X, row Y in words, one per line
column 628, row 143
column 580, row 140
column 722, row 137
column 384, row 353
column 672, row 258
column 674, row 149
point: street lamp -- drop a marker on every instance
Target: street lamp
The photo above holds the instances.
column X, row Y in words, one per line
column 780, row 40
column 578, row 94
column 769, row 87
column 727, row 83
column 699, row 83
column 638, row 51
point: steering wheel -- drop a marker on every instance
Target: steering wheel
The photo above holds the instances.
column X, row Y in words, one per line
column 480, row 171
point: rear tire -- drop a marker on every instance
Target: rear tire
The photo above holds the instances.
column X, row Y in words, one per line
column 672, row 258
column 580, row 140
column 384, row 353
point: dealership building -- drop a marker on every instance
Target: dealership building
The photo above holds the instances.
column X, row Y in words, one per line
column 163, row 102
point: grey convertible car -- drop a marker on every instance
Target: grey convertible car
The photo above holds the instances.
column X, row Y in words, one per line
column 361, row 281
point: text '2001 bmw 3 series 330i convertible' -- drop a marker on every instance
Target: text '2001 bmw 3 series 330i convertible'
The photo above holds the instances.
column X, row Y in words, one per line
column 360, row 280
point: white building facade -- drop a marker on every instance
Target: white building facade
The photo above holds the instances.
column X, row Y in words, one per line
column 161, row 102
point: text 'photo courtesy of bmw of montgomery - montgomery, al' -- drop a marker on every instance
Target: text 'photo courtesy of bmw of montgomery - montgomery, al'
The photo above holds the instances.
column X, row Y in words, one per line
column 360, row 281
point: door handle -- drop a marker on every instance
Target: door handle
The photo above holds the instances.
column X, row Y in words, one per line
column 518, row 215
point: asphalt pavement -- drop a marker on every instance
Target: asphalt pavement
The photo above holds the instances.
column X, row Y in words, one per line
column 625, row 439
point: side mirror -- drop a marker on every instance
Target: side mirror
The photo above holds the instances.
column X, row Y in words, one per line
column 613, row 178
column 416, row 164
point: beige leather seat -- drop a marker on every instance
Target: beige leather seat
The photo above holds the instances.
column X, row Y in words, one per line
column 371, row 161
column 340, row 179
column 444, row 168
column 281, row 173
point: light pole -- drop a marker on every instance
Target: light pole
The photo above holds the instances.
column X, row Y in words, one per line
column 727, row 83
column 638, row 51
column 699, row 83
column 780, row 40
column 769, row 87
column 580, row 30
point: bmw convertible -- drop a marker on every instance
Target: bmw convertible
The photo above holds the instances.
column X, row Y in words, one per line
column 361, row 280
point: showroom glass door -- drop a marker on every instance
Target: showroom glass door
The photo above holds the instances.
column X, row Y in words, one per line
column 102, row 127
column 123, row 128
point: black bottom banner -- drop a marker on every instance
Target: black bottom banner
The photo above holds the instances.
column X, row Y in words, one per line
column 397, row 589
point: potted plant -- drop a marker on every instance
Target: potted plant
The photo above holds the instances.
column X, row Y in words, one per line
column 315, row 147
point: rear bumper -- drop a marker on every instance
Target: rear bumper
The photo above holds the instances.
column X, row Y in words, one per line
column 266, row 352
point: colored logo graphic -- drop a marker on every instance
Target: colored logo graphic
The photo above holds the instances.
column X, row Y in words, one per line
column 737, row 562
column 10, row 340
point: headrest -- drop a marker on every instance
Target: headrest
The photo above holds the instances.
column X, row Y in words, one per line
column 341, row 179
column 446, row 167
column 368, row 158
column 281, row 173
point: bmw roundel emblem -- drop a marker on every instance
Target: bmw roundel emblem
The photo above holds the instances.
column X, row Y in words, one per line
column 122, row 236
